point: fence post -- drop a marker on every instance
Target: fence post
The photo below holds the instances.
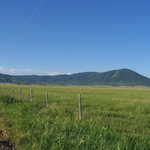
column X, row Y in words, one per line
column 46, row 98
column 20, row 93
column 80, row 107
column 31, row 97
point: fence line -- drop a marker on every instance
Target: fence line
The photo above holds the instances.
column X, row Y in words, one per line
column 17, row 95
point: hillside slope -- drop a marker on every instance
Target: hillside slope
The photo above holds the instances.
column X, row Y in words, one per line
column 114, row 77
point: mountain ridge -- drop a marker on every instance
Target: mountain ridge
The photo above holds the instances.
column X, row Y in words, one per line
column 120, row 77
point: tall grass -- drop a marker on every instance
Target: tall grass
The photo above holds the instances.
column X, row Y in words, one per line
column 113, row 118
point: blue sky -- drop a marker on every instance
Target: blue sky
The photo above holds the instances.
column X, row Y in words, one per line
column 65, row 36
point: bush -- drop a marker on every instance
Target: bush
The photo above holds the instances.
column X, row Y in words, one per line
column 9, row 100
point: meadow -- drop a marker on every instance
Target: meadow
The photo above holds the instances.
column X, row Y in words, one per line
column 47, row 119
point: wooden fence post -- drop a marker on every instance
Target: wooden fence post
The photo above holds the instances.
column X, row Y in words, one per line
column 19, row 93
column 80, row 107
column 46, row 98
column 31, row 97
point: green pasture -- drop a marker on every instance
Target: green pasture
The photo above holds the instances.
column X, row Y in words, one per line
column 112, row 118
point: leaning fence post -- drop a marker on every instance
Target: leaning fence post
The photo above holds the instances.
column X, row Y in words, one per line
column 31, row 98
column 80, row 107
column 46, row 98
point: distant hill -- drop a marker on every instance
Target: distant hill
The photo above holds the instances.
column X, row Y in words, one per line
column 122, row 77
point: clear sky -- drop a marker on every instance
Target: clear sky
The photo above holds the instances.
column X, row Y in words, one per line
column 48, row 36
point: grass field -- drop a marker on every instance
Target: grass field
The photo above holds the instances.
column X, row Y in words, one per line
column 113, row 118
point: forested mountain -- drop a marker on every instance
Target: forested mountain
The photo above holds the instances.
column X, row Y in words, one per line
column 114, row 77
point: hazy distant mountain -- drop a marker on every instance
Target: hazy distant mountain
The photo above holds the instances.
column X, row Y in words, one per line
column 120, row 77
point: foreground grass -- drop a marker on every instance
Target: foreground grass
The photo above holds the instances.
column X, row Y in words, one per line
column 113, row 118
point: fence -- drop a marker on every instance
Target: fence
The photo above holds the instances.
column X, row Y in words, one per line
column 44, row 96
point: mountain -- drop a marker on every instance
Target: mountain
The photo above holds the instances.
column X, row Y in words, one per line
column 122, row 77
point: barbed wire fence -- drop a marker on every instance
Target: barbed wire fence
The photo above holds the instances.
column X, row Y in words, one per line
column 30, row 95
